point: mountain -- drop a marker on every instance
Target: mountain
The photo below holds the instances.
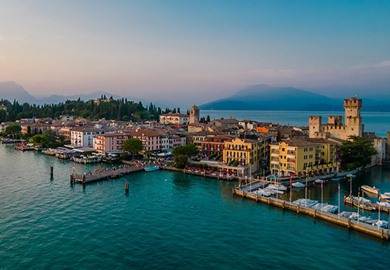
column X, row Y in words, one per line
column 55, row 99
column 264, row 97
column 12, row 91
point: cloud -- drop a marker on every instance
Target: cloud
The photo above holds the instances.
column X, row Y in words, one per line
column 382, row 64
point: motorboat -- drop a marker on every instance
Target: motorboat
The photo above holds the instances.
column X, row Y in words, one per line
column 385, row 197
column 263, row 192
column 370, row 190
column 329, row 208
column 298, row 185
column 319, row 206
column 305, row 202
column 381, row 224
column 273, row 191
column 277, row 187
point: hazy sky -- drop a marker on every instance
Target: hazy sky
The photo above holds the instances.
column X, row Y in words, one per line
column 194, row 51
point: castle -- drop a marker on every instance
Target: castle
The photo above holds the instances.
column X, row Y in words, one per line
column 335, row 128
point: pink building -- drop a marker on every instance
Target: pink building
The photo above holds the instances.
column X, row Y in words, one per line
column 151, row 139
column 111, row 142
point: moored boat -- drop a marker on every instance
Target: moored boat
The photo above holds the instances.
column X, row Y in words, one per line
column 385, row 197
column 371, row 190
column 298, row 185
column 277, row 187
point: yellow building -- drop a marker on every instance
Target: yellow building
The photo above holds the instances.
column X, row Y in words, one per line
column 244, row 151
column 303, row 156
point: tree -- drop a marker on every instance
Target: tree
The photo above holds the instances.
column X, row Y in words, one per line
column 182, row 153
column 356, row 152
column 132, row 145
column 13, row 130
column 38, row 139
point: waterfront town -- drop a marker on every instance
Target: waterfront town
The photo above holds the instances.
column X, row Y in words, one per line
column 254, row 154
column 240, row 147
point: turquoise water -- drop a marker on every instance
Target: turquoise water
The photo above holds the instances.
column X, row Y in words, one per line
column 167, row 221
column 378, row 122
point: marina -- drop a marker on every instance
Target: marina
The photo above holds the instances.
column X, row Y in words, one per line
column 315, row 212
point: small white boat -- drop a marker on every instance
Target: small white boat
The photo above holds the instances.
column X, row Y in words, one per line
column 298, row 185
column 277, row 187
column 273, row 191
column 385, row 197
column 152, row 168
column 305, row 202
column 319, row 206
column 370, row 190
column 263, row 192
column 381, row 224
column 329, row 208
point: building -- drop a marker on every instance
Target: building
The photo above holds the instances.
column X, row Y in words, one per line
column 335, row 128
column 245, row 152
column 112, row 142
column 214, row 145
column 380, row 147
column 83, row 136
column 248, row 124
column 170, row 141
column 35, row 128
column 303, row 156
column 151, row 139
column 4, row 125
column 174, row 118
column 194, row 115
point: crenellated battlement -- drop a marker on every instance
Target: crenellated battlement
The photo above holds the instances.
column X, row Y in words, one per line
column 353, row 102
column 335, row 127
column 335, row 120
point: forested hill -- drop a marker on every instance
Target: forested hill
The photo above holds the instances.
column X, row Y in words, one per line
column 108, row 108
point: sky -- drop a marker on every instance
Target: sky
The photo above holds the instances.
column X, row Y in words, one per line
column 192, row 51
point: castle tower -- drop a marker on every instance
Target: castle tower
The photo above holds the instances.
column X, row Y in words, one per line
column 194, row 115
column 315, row 123
column 353, row 120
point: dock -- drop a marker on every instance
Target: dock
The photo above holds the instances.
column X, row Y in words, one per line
column 104, row 174
column 332, row 218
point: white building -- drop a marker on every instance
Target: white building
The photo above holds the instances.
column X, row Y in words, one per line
column 83, row 137
column 174, row 118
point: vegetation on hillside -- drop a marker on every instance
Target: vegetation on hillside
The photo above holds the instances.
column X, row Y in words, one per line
column 108, row 108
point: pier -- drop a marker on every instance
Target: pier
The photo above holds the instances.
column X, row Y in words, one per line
column 333, row 218
column 104, row 174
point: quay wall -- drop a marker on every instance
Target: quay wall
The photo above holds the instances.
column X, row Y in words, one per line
column 348, row 223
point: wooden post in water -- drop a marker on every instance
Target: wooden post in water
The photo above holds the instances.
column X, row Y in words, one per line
column 126, row 187
column 51, row 172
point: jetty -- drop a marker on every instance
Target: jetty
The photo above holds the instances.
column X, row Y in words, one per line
column 346, row 222
column 104, row 174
